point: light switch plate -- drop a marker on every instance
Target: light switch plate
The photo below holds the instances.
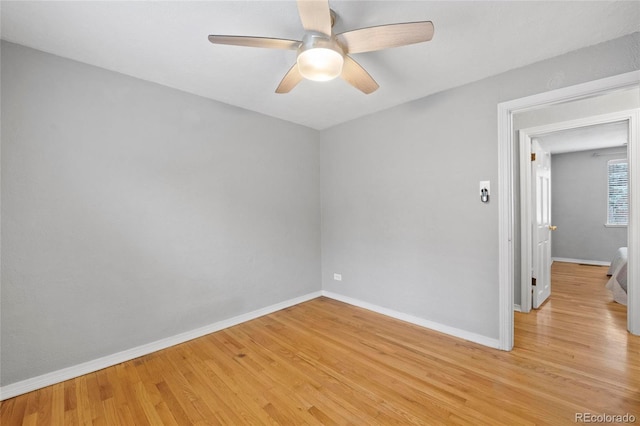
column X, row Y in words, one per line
column 485, row 184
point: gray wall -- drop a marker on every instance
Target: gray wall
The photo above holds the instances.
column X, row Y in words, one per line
column 579, row 206
column 621, row 100
column 401, row 215
column 133, row 212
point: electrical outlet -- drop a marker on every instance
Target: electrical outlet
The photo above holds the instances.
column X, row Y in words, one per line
column 337, row 277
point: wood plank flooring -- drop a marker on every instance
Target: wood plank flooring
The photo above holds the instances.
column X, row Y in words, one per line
column 324, row 362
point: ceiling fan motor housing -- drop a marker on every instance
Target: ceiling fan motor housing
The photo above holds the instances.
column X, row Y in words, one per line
column 320, row 57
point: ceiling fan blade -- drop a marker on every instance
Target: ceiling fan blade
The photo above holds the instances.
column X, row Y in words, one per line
column 358, row 77
column 267, row 42
column 315, row 15
column 385, row 36
column 290, row 80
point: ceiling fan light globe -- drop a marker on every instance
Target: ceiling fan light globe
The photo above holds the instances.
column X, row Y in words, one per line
column 320, row 64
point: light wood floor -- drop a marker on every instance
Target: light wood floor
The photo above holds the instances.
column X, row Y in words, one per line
column 324, row 362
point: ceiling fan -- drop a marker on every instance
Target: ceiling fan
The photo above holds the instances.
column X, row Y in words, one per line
column 323, row 55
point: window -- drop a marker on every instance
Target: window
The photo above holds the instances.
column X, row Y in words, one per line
column 618, row 193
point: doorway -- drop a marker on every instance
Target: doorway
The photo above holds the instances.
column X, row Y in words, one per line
column 509, row 191
column 580, row 204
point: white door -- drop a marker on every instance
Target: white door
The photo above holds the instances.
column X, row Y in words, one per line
column 541, row 226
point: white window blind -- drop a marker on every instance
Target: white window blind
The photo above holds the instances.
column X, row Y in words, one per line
column 618, row 192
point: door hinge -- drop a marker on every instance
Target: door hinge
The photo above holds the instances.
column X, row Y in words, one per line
column 533, row 156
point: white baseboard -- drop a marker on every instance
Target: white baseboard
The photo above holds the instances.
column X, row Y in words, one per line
column 452, row 331
column 517, row 307
column 48, row 379
column 583, row 261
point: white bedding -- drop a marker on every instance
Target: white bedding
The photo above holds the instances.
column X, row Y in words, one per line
column 618, row 281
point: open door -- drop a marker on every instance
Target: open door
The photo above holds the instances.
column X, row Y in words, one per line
column 535, row 210
column 541, row 223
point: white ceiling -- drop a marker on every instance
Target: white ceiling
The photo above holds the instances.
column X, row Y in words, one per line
column 587, row 138
column 166, row 43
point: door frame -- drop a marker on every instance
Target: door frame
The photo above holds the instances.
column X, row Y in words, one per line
column 508, row 193
column 526, row 214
